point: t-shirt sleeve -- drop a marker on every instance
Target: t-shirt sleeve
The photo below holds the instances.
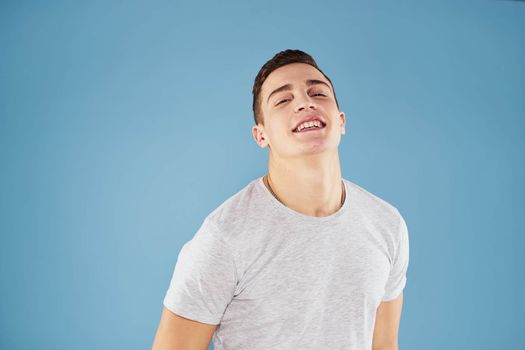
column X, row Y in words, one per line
column 397, row 278
column 204, row 277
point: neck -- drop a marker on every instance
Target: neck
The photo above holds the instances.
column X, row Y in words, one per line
column 309, row 185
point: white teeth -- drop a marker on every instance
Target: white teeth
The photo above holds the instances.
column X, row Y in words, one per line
column 313, row 123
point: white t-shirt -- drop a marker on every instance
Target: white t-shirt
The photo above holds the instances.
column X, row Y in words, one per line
column 273, row 278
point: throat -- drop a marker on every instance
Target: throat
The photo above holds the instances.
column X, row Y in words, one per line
column 306, row 207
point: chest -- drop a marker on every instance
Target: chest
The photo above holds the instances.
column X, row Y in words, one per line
column 346, row 266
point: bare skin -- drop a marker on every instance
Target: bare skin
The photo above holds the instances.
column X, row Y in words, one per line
column 179, row 333
column 304, row 169
column 386, row 329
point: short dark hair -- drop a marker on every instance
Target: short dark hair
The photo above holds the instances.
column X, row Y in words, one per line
column 280, row 59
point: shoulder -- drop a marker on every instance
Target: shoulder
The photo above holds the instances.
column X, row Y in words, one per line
column 236, row 210
column 379, row 212
column 369, row 200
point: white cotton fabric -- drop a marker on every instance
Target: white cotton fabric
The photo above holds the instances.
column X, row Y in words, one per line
column 273, row 278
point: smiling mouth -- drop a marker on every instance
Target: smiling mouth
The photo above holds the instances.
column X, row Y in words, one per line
column 308, row 129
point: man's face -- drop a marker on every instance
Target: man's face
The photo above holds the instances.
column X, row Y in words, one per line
column 308, row 94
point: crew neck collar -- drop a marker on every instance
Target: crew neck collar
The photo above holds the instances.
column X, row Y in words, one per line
column 289, row 211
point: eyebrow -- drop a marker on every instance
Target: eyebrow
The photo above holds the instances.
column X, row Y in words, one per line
column 287, row 87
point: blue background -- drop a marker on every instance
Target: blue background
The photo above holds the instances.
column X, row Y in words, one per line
column 123, row 124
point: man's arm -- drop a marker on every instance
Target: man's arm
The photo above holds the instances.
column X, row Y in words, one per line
column 388, row 315
column 179, row 333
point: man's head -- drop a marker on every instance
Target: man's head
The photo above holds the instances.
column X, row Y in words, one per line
column 288, row 89
column 280, row 59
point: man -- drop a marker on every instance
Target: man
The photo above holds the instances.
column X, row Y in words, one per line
column 300, row 258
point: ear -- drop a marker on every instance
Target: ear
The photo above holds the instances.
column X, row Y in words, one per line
column 342, row 117
column 258, row 135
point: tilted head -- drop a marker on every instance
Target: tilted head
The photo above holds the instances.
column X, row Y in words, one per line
column 289, row 89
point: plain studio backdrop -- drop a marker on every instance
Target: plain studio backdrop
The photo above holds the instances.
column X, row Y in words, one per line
column 123, row 124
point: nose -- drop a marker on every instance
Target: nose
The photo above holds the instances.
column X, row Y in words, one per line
column 305, row 103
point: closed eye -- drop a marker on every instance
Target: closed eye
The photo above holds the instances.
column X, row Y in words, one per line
column 287, row 99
